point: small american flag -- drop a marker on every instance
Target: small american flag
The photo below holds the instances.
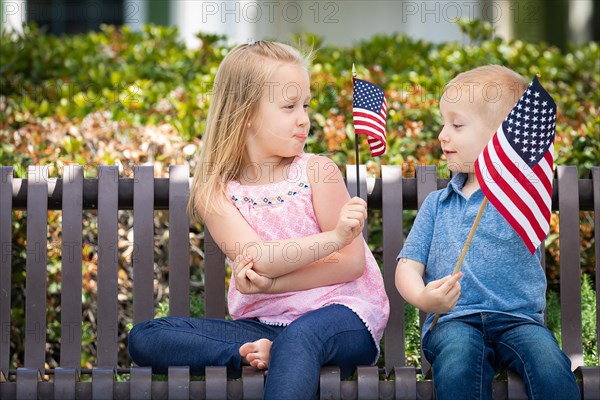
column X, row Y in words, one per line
column 369, row 110
column 516, row 168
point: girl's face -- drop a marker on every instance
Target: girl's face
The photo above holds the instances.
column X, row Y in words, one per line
column 280, row 125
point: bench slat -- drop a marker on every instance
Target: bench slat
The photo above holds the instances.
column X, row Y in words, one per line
column 64, row 383
column 570, row 285
column 368, row 383
column 405, row 383
column 143, row 243
column 6, row 182
column 71, row 280
column 107, row 267
column 394, row 337
column 179, row 241
column 35, row 269
column 214, row 278
column 426, row 183
column 591, row 382
column 330, row 383
column 103, row 382
column 141, row 383
column 216, row 383
column 179, row 383
column 596, row 182
column 351, row 185
column 253, row 382
column 27, row 382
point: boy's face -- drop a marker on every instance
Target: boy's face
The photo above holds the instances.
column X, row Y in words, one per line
column 464, row 133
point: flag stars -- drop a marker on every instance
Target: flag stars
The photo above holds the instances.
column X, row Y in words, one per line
column 529, row 125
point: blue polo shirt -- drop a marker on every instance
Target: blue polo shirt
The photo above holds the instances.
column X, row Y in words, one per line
column 499, row 273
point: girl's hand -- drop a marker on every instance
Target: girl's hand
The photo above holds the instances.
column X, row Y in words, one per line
column 247, row 281
column 351, row 221
column 442, row 295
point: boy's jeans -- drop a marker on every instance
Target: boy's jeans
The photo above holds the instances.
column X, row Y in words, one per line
column 465, row 353
column 332, row 335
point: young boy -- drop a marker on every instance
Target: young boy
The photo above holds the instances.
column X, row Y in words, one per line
column 494, row 317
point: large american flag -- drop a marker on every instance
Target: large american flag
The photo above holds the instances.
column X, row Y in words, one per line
column 369, row 110
column 515, row 170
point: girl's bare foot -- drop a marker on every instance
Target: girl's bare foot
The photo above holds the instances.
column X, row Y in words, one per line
column 257, row 353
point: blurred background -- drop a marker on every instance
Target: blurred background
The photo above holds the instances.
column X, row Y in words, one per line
column 341, row 22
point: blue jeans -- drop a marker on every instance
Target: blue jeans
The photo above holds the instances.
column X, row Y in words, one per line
column 332, row 335
column 466, row 352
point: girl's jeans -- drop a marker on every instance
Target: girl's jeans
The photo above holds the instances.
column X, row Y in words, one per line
column 332, row 335
column 466, row 352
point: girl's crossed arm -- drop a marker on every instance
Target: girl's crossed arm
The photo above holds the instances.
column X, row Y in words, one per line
column 330, row 197
column 330, row 202
column 235, row 236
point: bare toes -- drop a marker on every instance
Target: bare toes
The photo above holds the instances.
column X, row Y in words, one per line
column 247, row 348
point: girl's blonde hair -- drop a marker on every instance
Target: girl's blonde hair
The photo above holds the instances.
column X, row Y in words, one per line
column 237, row 90
column 494, row 89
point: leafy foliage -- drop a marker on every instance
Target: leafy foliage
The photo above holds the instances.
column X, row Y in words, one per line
column 130, row 98
column 588, row 319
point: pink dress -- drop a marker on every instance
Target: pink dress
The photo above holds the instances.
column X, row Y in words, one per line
column 284, row 210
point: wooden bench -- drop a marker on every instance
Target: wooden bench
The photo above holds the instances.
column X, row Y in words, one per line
column 143, row 194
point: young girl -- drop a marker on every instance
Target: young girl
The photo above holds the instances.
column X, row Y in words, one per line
column 315, row 292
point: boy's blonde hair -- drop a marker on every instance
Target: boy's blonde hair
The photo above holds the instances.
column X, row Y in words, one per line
column 494, row 89
column 237, row 90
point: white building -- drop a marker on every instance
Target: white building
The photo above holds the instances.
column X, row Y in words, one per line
column 340, row 22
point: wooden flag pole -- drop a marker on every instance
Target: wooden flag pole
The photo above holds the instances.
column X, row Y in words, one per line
column 356, row 145
column 464, row 251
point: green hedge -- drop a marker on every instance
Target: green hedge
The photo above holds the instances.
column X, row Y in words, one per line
column 118, row 96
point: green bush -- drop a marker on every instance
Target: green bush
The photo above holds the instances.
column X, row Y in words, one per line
column 124, row 97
